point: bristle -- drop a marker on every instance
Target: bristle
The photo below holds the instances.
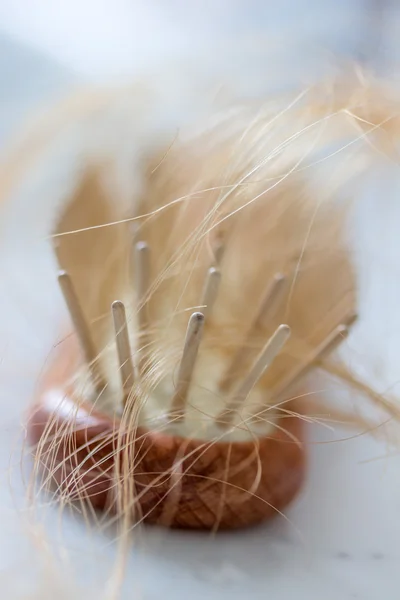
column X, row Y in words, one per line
column 188, row 361
column 268, row 303
column 265, row 358
column 327, row 346
column 123, row 348
column 210, row 290
column 81, row 328
column 142, row 284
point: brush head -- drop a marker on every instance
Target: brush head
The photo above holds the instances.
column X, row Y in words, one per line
column 155, row 475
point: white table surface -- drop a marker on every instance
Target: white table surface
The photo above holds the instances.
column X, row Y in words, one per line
column 341, row 540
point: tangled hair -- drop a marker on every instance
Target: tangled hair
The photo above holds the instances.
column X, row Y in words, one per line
column 272, row 182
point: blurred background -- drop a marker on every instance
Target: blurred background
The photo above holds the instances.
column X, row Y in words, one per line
column 342, row 539
column 47, row 45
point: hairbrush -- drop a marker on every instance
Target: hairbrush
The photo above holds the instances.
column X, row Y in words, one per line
column 177, row 395
column 208, row 277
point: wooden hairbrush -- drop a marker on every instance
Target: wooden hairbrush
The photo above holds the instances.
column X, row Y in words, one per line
column 175, row 397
